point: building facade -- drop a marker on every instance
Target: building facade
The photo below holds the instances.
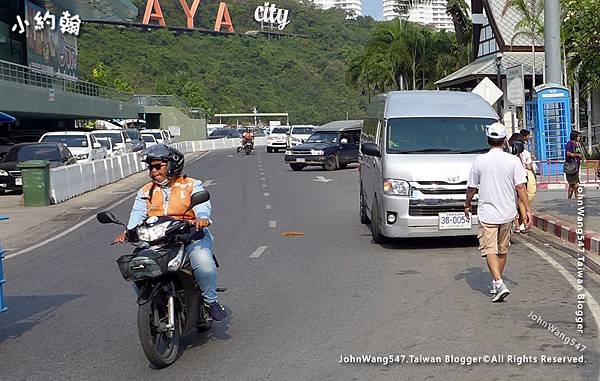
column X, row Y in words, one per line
column 353, row 7
column 432, row 13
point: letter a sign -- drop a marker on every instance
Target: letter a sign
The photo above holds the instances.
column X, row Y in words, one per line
column 223, row 19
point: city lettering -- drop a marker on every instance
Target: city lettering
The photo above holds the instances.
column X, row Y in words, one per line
column 153, row 12
column 267, row 13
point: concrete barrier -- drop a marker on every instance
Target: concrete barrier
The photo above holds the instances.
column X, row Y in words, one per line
column 73, row 180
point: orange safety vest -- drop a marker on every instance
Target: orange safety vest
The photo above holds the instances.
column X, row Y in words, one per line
column 179, row 200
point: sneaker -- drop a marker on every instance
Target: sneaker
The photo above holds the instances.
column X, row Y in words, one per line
column 493, row 290
column 501, row 293
column 216, row 311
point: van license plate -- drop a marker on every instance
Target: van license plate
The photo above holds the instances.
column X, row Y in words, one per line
column 18, row 181
column 453, row 220
column 300, row 160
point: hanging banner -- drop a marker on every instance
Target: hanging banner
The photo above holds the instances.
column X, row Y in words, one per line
column 49, row 50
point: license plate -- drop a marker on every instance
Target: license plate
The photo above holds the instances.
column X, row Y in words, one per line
column 18, row 181
column 453, row 220
column 300, row 160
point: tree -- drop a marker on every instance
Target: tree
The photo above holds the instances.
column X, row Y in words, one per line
column 531, row 24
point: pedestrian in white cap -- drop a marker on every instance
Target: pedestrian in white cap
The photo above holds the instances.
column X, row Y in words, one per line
column 499, row 178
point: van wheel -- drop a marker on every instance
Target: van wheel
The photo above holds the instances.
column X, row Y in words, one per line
column 362, row 210
column 330, row 163
column 378, row 238
column 296, row 167
column 269, row 149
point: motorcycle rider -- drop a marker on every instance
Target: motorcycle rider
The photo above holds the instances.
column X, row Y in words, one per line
column 247, row 136
column 169, row 193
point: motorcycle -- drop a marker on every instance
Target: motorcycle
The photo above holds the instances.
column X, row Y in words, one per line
column 170, row 302
column 247, row 147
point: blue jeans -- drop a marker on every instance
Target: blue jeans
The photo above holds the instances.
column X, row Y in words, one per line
column 205, row 270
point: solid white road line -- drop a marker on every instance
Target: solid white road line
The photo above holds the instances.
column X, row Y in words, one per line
column 200, row 157
column 266, row 194
column 272, row 224
column 72, row 228
column 258, row 252
column 268, row 206
column 264, row 185
column 589, row 299
column 263, row 178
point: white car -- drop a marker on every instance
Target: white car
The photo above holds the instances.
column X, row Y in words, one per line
column 299, row 134
column 82, row 144
column 277, row 139
column 149, row 139
column 161, row 136
column 122, row 142
column 108, row 144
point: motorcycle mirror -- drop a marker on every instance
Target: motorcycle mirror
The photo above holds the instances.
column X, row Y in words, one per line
column 199, row 198
column 107, row 218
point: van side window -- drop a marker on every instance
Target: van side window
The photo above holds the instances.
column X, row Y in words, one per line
column 379, row 132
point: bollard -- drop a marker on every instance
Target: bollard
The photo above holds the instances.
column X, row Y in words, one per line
column 2, row 306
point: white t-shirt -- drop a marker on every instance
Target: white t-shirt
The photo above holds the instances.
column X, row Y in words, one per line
column 526, row 157
column 496, row 174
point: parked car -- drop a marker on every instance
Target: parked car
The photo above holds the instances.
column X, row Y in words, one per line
column 5, row 145
column 417, row 151
column 149, row 140
column 299, row 134
column 332, row 146
column 224, row 133
column 10, row 175
column 160, row 135
column 82, row 144
column 137, row 143
column 277, row 139
column 108, row 145
column 120, row 139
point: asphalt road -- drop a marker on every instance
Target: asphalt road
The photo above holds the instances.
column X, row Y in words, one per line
column 301, row 304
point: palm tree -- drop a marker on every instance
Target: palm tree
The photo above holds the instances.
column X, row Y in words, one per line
column 531, row 24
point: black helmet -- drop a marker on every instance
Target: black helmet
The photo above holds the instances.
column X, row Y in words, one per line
column 173, row 157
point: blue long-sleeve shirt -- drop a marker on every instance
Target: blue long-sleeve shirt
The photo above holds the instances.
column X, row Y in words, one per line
column 139, row 212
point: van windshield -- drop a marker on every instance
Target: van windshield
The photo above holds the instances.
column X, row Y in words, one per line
column 437, row 135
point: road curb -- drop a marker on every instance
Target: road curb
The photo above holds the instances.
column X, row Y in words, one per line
column 566, row 232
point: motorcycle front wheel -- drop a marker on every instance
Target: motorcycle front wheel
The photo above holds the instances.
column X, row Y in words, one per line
column 160, row 344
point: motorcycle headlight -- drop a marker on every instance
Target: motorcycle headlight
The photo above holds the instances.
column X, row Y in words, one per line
column 175, row 263
column 396, row 187
column 152, row 233
column 3, row 172
column 316, row 152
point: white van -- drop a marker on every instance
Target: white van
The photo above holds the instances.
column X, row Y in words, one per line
column 121, row 142
column 299, row 134
column 417, row 148
column 160, row 135
column 82, row 144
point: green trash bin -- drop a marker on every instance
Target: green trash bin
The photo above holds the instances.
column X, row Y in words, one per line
column 36, row 182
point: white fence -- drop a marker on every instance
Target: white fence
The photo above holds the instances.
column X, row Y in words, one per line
column 73, row 180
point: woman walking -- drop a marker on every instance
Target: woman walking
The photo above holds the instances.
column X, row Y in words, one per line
column 573, row 158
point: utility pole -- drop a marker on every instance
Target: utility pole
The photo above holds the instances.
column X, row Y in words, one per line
column 552, row 41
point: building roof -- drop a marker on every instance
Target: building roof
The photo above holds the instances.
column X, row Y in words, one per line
column 437, row 104
column 341, row 125
column 506, row 19
column 486, row 67
column 105, row 10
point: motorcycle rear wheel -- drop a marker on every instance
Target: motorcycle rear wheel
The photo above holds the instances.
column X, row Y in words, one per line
column 160, row 345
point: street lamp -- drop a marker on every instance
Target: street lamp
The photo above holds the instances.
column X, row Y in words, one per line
column 499, row 80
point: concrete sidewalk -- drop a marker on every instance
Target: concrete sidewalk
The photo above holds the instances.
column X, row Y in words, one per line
column 557, row 215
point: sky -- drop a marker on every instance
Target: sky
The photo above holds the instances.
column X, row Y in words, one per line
column 373, row 8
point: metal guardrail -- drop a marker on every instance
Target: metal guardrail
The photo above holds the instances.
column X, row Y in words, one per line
column 587, row 172
column 169, row 101
column 12, row 72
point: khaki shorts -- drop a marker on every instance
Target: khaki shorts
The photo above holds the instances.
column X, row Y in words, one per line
column 493, row 238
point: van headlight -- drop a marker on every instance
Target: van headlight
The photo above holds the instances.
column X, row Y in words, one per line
column 83, row 156
column 317, row 152
column 3, row 172
column 396, row 187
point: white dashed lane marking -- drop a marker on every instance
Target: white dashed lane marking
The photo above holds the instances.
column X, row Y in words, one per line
column 258, row 252
column 266, row 194
column 268, row 206
column 272, row 224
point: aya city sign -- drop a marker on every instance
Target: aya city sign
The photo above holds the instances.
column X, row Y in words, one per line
column 268, row 13
column 154, row 12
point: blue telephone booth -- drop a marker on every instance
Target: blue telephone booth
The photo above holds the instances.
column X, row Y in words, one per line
column 548, row 115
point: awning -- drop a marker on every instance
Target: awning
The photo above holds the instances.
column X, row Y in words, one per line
column 486, row 67
column 6, row 118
